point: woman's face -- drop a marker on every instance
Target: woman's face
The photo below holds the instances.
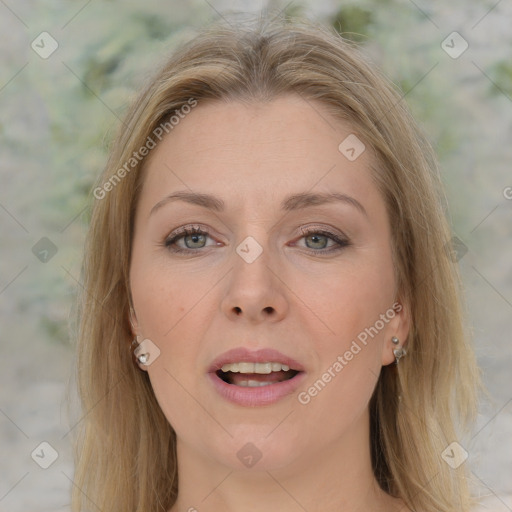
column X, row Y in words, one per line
column 297, row 285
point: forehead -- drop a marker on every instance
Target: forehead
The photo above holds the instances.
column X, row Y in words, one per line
column 255, row 152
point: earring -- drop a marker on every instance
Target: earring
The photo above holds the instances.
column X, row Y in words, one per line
column 399, row 351
column 141, row 358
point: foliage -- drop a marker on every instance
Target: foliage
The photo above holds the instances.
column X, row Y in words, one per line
column 353, row 22
column 502, row 74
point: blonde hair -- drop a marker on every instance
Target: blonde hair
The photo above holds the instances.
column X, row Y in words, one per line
column 125, row 448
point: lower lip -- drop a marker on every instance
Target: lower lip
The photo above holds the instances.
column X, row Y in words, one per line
column 260, row 395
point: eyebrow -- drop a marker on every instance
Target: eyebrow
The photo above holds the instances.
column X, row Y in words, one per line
column 290, row 203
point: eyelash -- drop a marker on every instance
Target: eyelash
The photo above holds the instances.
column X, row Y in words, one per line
column 170, row 241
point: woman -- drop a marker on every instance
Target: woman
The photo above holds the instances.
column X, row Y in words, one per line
column 271, row 318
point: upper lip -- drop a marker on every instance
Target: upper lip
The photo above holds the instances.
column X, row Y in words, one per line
column 265, row 355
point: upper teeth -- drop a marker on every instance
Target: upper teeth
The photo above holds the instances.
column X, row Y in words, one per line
column 254, row 367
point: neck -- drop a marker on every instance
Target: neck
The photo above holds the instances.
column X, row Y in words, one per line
column 338, row 477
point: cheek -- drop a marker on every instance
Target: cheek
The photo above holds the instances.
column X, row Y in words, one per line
column 169, row 316
column 351, row 299
column 349, row 359
column 162, row 297
column 169, row 306
column 356, row 306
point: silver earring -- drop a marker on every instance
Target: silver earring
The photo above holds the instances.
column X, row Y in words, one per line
column 399, row 352
column 141, row 358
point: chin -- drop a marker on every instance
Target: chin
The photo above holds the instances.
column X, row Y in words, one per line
column 253, row 449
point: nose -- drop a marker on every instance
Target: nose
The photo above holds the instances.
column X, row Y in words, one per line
column 256, row 290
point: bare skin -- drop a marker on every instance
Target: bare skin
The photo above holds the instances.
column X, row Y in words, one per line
column 299, row 296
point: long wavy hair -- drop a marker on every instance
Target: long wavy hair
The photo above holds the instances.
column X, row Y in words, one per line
column 125, row 449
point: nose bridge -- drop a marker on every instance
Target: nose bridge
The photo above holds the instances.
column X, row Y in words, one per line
column 254, row 244
column 252, row 263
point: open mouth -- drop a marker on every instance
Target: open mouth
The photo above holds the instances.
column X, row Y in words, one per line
column 255, row 374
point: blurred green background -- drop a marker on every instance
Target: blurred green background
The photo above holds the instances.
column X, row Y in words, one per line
column 59, row 114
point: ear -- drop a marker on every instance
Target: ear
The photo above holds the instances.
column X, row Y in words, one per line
column 398, row 326
column 135, row 345
column 132, row 318
column 141, row 350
